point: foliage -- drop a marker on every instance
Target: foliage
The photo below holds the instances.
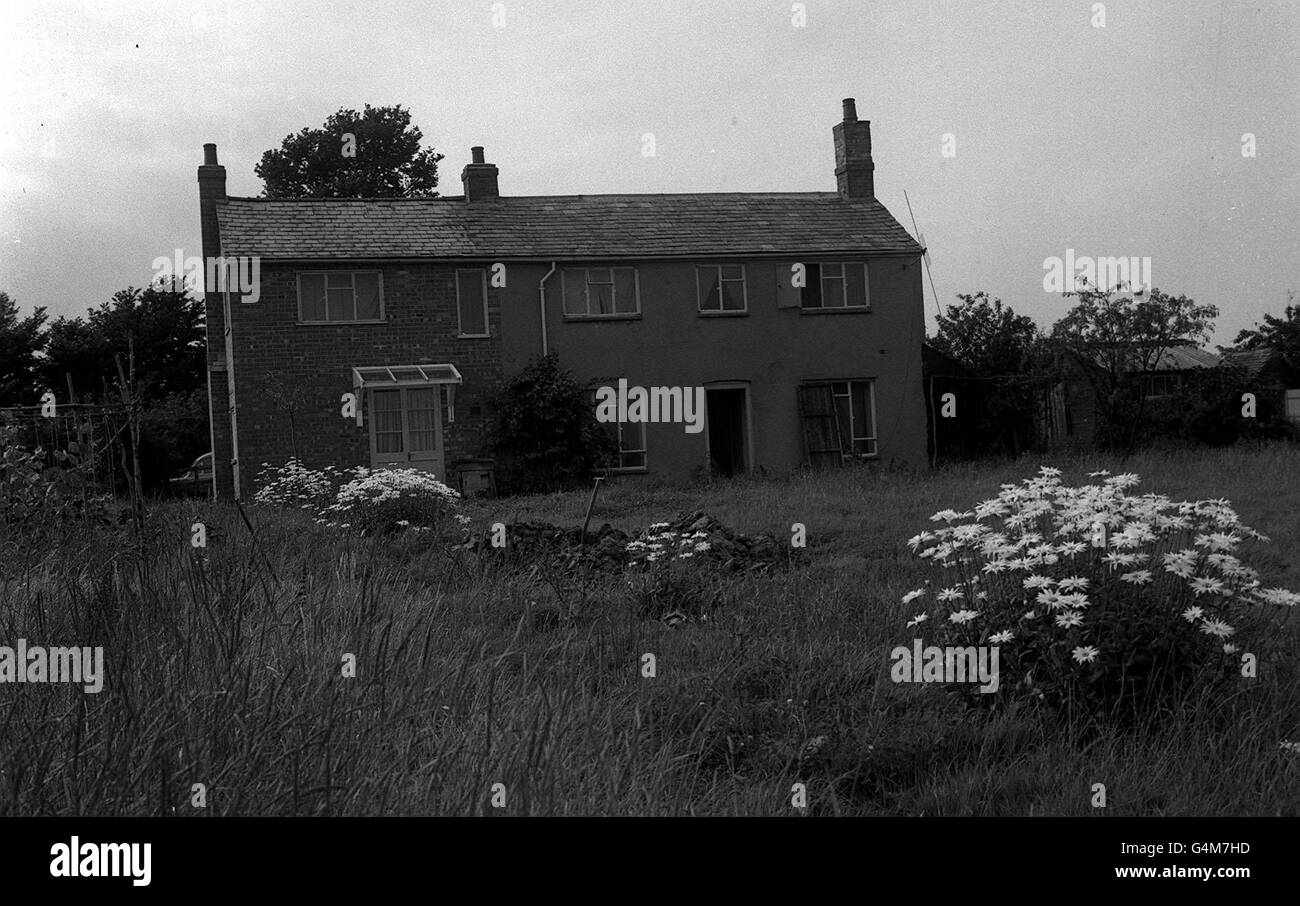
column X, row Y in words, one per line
column 547, row 434
column 40, row 491
column 1111, row 337
column 388, row 161
column 381, row 501
column 1152, row 609
column 668, row 581
column 1007, row 351
column 165, row 329
column 1282, row 334
column 21, row 342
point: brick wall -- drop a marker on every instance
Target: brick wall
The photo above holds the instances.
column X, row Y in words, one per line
column 290, row 377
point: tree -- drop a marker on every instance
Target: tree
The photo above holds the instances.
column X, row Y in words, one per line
column 1005, row 349
column 1282, row 334
column 985, row 335
column 372, row 154
column 1113, row 338
column 165, row 329
column 21, row 342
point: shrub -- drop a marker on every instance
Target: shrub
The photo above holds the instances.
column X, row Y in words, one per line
column 1096, row 599
column 389, row 500
column 294, row 485
column 547, row 434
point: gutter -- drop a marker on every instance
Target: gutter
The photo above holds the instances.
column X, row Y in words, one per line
column 541, row 301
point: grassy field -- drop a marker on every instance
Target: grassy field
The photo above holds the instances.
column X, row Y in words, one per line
column 225, row 669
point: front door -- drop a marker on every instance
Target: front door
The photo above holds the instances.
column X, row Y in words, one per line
column 725, row 415
column 406, row 430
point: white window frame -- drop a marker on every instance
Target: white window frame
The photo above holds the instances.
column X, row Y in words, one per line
column 717, row 270
column 379, row 275
column 844, row 287
column 873, row 438
column 645, row 435
column 487, row 327
column 568, row 272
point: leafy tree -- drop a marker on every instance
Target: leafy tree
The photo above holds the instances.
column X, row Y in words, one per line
column 1282, row 334
column 387, row 161
column 1113, row 338
column 164, row 327
column 1005, row 349
column 21, row 342
column 547, row 434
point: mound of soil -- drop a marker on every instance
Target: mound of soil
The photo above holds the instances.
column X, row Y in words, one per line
column 606, row 547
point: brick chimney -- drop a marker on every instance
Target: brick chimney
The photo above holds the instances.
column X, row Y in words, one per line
column 854, row 170
column 212, row 188
column 479, row 179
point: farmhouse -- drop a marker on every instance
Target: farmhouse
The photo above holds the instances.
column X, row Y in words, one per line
column 799, row 314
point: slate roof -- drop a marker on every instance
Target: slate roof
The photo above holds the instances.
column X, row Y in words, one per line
column 1183, row 358
column 1251, row 361
column 561, row 227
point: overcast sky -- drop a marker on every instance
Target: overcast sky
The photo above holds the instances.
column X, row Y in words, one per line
column 1124, row 140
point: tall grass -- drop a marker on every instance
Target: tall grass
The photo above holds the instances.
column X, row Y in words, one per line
column 225, row 668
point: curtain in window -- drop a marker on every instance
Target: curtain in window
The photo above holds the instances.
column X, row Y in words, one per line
column 420, row 404
column 388, row 421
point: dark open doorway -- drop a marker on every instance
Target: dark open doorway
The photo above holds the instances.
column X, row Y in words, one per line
column 725, row 410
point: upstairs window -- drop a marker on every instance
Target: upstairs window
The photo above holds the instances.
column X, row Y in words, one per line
column 471, row 302
column 340, row 297
column 601, row 292
column 837, row 285
column 721, row 288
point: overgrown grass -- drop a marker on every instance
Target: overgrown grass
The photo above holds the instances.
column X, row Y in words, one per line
column 224, row 668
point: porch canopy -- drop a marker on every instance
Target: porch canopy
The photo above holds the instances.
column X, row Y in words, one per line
column 383, row 377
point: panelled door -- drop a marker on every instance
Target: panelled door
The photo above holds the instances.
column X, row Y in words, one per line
column 406, row 429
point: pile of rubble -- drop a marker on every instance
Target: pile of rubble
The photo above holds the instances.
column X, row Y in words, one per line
column 607, row 547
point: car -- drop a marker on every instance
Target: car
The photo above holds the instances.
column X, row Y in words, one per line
column 196, row 480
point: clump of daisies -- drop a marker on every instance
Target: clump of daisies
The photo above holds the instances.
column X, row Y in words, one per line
column 389, row 500
column 295, row 485
column 1096, row 596
column 669, row 574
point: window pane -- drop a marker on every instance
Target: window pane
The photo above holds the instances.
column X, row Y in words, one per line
column 855, row 284
column 339, row 303
column 311, row 288
column 469, row 293
column 832, row 292
column 632, row 436
column 861, row 417
column 733, row 272
column 598, row 275
column 709, row 295
column 733, row 296
column 625, row 291
column 420, row 405
column 600, row 298
column 388, row 420
column 575, row 287
column 812, row 291
column 367, row 297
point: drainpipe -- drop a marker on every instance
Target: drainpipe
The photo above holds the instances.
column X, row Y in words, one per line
column 230, row 386
column 541, row 296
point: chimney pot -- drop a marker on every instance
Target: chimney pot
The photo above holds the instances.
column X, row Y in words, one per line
column 850, row 110
column 477, row 152
column 210, row 155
